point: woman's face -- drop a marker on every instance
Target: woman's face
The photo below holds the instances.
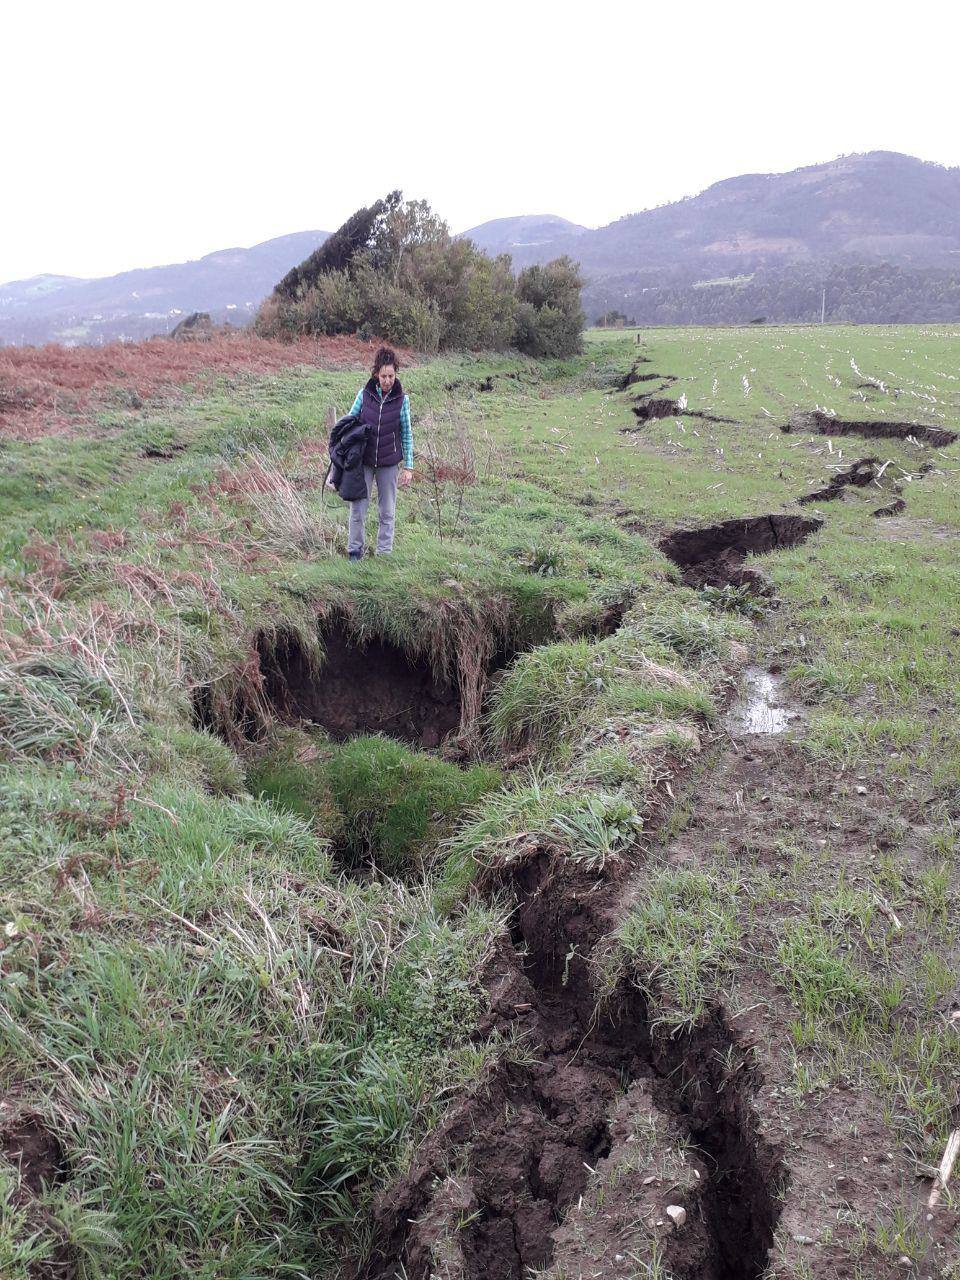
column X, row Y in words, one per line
column 387, row 376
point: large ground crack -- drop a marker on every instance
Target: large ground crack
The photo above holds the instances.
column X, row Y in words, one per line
column 359, row 688
column 649, row 408
column 820, row 423
column 714, row 555
column 490, row 1190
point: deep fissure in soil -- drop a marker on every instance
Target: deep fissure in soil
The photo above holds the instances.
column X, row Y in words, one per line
column 492, row 1184
column 634, row 376
column 714, row 555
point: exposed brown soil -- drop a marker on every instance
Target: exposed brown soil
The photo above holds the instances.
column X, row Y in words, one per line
column 649, row 408
column 820, row 423
column 715, row 555
column 28, row 1144
column 502, row 1186
column 491, row 1188
column 859, row 474
column 849, row 1165
column 370, row 687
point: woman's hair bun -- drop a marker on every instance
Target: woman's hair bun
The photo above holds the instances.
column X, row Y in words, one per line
column 385, row 355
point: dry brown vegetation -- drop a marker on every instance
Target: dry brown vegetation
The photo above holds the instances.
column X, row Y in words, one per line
column 56, row 390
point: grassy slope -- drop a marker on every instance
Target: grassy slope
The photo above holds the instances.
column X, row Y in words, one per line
column 234, row 1044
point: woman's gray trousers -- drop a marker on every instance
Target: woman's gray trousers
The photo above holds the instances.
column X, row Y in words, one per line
column 387, row 509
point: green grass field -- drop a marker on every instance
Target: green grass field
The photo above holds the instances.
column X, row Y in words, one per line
column 245, row 969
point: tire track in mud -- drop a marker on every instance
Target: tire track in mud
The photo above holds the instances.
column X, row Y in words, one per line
column 491, row 1186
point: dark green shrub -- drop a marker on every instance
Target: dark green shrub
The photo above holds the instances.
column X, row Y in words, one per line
column 394, row 271
column 550, row 318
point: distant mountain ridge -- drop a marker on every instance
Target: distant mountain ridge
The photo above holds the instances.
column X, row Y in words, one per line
column 229, row 283
column 692, row 260
column 880, row 232
column 517, row 236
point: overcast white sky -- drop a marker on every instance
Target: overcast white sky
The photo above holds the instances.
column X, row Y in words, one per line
column 135, row 135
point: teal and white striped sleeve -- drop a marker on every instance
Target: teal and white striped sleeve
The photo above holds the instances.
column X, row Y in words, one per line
column 406, row 433
column 358, row 403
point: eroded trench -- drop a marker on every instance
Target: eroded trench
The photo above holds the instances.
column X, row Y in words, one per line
column 493, row 1191
column 493, row 1188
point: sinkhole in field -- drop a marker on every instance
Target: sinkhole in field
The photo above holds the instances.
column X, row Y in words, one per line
column 360, row 687
column 714, row 554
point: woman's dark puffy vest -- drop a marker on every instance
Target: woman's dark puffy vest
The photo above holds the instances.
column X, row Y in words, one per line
column 383, row 417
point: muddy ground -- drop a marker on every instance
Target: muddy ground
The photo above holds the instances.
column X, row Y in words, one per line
column 612, row 1142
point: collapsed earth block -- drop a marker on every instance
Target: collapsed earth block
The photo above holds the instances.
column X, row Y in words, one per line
column 656, row 407
column 892, row 508
column 820, row 423
column 714, row 555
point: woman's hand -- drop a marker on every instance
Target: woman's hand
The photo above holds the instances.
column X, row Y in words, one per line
column 406, row 476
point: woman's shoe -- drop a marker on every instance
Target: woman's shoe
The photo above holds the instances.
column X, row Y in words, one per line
column 355, row 555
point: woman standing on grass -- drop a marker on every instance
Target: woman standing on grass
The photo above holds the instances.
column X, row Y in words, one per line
column 385, row 410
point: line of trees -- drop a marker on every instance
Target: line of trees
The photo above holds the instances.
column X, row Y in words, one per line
column 856, row 293
column 394, row 271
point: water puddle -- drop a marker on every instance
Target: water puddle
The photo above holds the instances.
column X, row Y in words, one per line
column 763, row 708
